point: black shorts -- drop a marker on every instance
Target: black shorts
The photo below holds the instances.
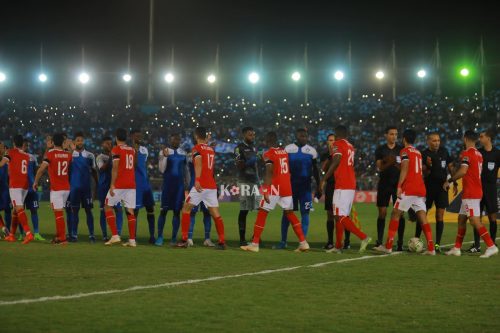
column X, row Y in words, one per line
column 329, row 198
column 489, row 202
column 436, row 195
column 384, row 194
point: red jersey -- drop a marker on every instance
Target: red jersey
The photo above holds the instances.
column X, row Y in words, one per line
column 281, row 174
column 345, row 179
column 471, row 182
column 18, row 168
column 413, row 184
column 125, row 179
column 207, row 154
column 59, row 162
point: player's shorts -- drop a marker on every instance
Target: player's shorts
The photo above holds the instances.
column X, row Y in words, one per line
column 127, row 196
column 329, row 190
column 385, row 193
column 144, row 198
column 172, row 197
column 207, row 196
column 81, row 197
column 284, row 202
column 58, row 199
column 436, row 195
column 489, row 202
column 5, row 202
column 31, row 201
column 17, row 196
column 249, row 200
column 201, row 207
column 410, row 201
column 470, row 207
column 342, row 202
column 302, row 198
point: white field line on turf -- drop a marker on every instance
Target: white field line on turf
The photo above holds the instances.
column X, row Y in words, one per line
column 185, row 282
column 179, row 283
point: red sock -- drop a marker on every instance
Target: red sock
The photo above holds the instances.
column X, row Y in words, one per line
column 60, row 225
column 2, row 224
column 460, row 237
column 219, row 225
column 485, row 235
column 13, row 225
column 259, row 225
column 297, row 228
column 23, row 219
column 186, row 221
column 339, row 234
column 111, row 219
column 393, row 228
column 350, row 226
column 131, row 226
column 426, row 228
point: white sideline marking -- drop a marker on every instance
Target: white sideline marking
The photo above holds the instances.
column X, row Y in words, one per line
column 185, row 282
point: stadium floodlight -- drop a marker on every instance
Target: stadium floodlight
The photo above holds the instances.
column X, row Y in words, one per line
column 422, row 73
column 253, row 78
column 296, row 76
column 127, row 77
column 464, row 72
column 338, row 75
column 211, row 79
column 42, row 77
column 380, row 75
column 84, row 78
column 3, row 77
column 169, row 78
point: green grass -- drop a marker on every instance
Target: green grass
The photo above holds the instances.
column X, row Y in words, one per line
column 390, row 294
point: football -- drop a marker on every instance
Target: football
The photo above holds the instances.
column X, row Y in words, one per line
column 415, row 245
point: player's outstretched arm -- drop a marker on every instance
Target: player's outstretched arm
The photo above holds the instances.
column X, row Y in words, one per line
column 39, row 174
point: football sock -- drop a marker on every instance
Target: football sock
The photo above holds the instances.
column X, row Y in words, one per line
column 131, row 226
column 119, row 219
column 493, row 230
column 401, row 231
column 191, row 225
column 350, row 226
column 207, row 223
column 305, row 222
column 176, row 223
column 111, row 219
column 8, row 217
column 259, row 225
column 380, row 230
column 242, row 224
column 69, row 220
column 60, row 225
column 329, row 230
column 219, row 225
column 477, row 239
column 186, row 221
column 161, row 222
column 76, row 220
column 393, row 228
column 102, row 223
column 339, row 234
column 15, row 223
column 296, row 225
column 23, row 220
column 486, row 236
column 439, row 231
column 150, row 215
column 460, row 237
column 34, row 220
column 418, row 230
column 284, row 228
column 428, row 235
column 90, row 221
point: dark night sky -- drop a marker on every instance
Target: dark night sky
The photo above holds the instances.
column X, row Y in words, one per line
column 106, row 27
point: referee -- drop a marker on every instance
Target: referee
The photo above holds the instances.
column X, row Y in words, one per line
column 436, row 165
column 489, row 175
column 388, row 164
column 248, row 178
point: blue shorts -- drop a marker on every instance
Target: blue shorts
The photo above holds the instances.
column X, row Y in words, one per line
column 172, row 198
column 144, row 199
column 201, row 206
column 302, row 198
column 81, row 197
column 5, row 200
column 31, row 201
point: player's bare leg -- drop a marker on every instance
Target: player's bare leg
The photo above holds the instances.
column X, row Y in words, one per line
column 348, row 224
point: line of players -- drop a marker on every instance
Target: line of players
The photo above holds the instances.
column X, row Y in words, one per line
column 302, row 159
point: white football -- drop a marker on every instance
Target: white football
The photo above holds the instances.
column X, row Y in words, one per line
column 415, row 245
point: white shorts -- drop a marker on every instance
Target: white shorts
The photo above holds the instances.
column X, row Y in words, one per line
column 207, row 196
column 127, row 196
column 342, row 202
column 285, row 202
column 17, row 196
column 58, row 199
column 470, row 207
column 410, row 201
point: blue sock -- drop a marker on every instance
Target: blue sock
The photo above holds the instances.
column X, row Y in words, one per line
column 8, row 217
column 34, row 220
column 69, row 220
column 119, row 219
column 90, row 221
column 305, row 222
column 207, row 222
column 284, row 228
column 102, row 222
column 76, row 221
column 151, row 222
column 191, row 226
column 161, row 222
column 176, row 222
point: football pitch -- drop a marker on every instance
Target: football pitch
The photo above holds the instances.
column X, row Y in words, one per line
column 93, row 288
